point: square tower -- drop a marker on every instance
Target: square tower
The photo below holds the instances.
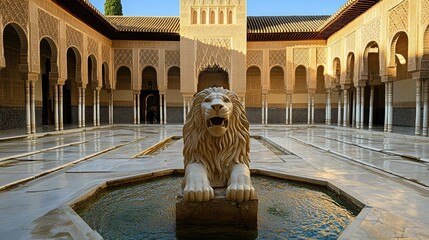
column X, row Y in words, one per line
column 213, row 38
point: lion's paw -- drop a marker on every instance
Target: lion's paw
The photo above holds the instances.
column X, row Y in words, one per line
column 198, row 192
column 240, row 187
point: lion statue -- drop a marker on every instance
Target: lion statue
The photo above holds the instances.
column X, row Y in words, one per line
column 216, row 147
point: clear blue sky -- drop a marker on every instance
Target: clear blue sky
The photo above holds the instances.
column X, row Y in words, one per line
column 254, row 7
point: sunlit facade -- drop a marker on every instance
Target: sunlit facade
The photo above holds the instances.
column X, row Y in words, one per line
column 62, row 63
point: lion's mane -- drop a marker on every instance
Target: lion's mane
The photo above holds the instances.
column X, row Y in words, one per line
column 217, row 154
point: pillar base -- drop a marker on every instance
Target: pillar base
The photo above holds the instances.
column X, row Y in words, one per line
column 217, row 211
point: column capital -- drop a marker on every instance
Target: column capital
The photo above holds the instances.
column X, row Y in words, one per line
column 32, row 76
column 420, row 74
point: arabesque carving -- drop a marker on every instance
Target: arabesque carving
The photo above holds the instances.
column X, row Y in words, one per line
column 92, row 46
column 371, row 32
column 15, row 11
column 105, row 54
column 398, row 18
column 216, row 147
column 277, row 57
column 300, row 56
column 74, row 38
column 172, row 58
column 255, row 58
column 123, row 57
column 149, row 57
column 48, row 25
column 212, row 52
column 321, row 56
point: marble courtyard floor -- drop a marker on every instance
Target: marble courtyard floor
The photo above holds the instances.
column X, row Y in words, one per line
column 40, row 175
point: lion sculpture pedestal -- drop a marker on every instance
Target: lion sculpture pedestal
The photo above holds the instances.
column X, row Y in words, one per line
column 217, row 183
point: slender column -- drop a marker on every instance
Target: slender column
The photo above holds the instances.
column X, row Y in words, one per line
column 98, row 108
column 371, row 107
column 266, row 109
column 346, row 108
column 354, row 110
column 83, row 107
column 329, row 108
column 79, row 108
column 161, row 110
column 263, row 109
column 61, row 106
column 165, row 108
column 390, row 110
column 111, row 107
column 362, row 107
column 418, row 106
column 386, row 105
column 138, row 108
column 308, row 108
column 33, row 106
column 135, row 108
column 326, row 108
column 290, row 108
column 425, row 107
column 184, row 109
column 339, row 107
column 57, row 125
column 357, row 107
column 28, row 106
column 312, row 108
column 94, row 107
column 287, row 109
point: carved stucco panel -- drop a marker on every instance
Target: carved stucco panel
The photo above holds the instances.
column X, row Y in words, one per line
column 336, row 50
column 255, row 58
column 148, row 57
column 425, row 12
column 300, row 56
column 123, row 57
column 212, row 52
column 172, row 58
column 48, row 25
column 350, row 42
column 92, row 47
column 105, row 54
column 370, row 32
column 398, row 18
column 321, row 56
column 15, row 11
column 74, row 38
column 277, row 57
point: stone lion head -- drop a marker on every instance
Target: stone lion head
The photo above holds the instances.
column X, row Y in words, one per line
column 216, row 133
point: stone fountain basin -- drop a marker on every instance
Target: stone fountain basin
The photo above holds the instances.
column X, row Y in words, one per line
column 68, row 221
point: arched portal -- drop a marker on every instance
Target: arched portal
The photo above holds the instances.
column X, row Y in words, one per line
column 45, row 70
column 277, row 96
column 212, row 77
column 91, row 88
column 174, row 110
column 70, row 96
column 372, row 66
column 300, row 91
column 253, row 94
column 149, row 96
column 319, row 111
column 13, row 80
